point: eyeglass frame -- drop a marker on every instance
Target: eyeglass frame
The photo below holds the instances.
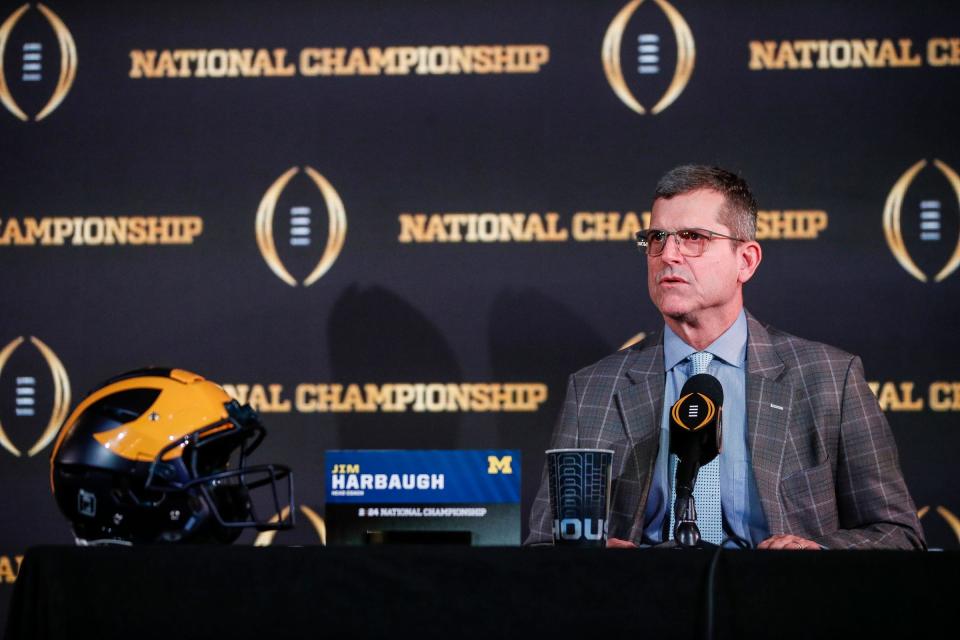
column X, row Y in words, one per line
column 643, row 244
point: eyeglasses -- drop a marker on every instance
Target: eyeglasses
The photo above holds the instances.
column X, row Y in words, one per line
column 690, row 242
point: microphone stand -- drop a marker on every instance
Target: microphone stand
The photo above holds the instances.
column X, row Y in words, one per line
column 686, row 534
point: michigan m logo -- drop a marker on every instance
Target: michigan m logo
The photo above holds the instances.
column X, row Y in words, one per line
column 499, row 465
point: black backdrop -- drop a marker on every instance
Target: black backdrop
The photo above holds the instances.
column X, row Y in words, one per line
column 425, row 300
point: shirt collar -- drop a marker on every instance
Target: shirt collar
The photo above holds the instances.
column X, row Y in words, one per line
column 731, row 346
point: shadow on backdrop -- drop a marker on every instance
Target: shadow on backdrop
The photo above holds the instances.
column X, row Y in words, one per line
column 534, row 338
column 377, row 337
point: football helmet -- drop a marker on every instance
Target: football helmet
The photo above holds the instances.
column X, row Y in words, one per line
column 159, row 455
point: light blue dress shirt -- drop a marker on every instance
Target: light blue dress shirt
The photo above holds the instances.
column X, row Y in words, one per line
column 743, row 521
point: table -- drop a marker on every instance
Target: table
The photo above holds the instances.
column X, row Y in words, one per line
column 462, row 592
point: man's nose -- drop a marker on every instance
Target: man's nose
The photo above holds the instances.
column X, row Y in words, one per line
column 671, row 250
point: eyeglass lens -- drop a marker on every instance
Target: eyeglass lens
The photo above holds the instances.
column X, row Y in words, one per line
column 689, row 241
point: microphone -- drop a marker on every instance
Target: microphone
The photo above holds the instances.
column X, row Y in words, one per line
column 696, row 434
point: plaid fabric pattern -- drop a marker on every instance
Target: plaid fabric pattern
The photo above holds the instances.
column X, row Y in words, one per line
column 823, row 456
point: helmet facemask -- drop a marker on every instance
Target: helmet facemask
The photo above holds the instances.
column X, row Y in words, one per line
column 223, row 486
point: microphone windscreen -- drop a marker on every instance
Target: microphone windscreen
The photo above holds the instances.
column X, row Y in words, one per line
column 706, row 384
column 695, row 422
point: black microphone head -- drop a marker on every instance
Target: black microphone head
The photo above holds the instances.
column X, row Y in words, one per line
column 706, row 384
column 695, row 421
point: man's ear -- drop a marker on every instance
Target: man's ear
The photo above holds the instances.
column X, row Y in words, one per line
column 749, row 255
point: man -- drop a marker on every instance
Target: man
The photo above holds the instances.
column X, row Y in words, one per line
column 808, row 459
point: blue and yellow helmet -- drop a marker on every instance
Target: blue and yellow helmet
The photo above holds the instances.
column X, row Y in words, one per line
column 159, row 455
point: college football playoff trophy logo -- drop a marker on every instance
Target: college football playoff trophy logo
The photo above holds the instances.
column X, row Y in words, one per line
column 925, row 221
column 634, row 56
column 633, row 340
column 300, row 228
column 265, row 538
column 27, row 394
column 27, row 65
column 948, row 516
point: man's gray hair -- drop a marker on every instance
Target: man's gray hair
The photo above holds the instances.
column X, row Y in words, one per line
column 739, row 212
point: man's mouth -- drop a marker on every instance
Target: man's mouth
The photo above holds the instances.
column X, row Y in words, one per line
column 672, row 280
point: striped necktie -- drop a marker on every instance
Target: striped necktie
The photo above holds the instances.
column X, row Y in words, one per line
column 706, row 492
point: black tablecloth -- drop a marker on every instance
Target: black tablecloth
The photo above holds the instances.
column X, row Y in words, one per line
column 451, row 592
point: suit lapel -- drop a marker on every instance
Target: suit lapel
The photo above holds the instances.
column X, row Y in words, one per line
column 769, row 406
column 641, row 402
column 640, row 405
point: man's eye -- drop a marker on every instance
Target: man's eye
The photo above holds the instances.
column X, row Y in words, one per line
column 656, row 236
column 688, row 234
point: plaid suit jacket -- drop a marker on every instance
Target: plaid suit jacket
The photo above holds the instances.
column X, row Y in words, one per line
column 823, row 456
